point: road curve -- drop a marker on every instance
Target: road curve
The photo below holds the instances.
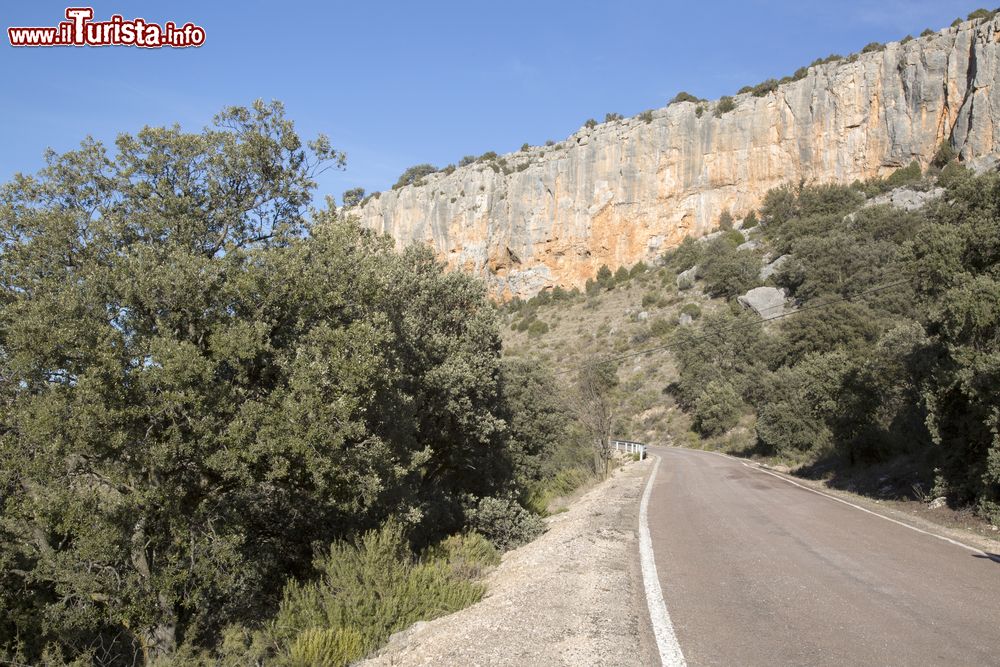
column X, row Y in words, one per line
column 756, row 571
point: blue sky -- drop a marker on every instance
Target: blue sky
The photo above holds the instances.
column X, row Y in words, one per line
column 399, row 83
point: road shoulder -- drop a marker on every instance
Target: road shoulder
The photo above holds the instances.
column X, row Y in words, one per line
column 571, row 597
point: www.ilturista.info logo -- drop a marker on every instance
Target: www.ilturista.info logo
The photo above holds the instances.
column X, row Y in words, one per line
column 80, row 30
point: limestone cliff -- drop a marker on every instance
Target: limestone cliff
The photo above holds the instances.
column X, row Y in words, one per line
column 627, row 190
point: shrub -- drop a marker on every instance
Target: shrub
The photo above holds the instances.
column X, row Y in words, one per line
column 564, row 482
column 903, row 176
column 469, row 555
column 943, row 155
column 590, row 124
column 927, row 32
column 611, row 117
column 504, row 522
column 717, row 409
column 750, row 221
column 953, row 174
column 906, row 40
column 487, row 156
column 699, row 111
column 450, row 169
column 621, row 275
column 979, row 14
column 605, row 278
column 549, row 142
column 414, row 174
column 765, row 88
column 537, row 328
column 725, row 105
column 325, row 647
column 692, row 310
column 525, row 147
column 592, row 287
column 353, row 197
column 684, row 96
column 649, row 299
column 646, row 117
column 786, row 428
column 638, row 269
column 661, row 326
column 729, row 274
column 872, row 47
column 744, row 90
column 800, row 73
column 957, row 22
column 341, row 598
column 726, row 220
column 689, row 253
column 467, row 160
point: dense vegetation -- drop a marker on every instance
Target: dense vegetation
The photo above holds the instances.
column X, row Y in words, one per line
column 205, row 384
column 894, row 357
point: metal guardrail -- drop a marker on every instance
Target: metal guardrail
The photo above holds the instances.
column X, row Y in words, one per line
column 629, row 447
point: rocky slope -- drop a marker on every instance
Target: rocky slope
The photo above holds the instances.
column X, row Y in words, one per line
column 627, row 190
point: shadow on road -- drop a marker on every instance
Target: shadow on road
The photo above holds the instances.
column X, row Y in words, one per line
column 988, row 556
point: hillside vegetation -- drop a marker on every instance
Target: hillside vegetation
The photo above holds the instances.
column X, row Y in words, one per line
column 890, row 362
column 236, row 429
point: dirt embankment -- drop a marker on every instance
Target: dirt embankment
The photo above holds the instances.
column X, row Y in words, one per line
column 571, row 597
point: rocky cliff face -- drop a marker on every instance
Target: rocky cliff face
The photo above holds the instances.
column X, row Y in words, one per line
column 627, row 190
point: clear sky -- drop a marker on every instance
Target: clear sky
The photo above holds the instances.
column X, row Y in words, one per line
column 399, row 83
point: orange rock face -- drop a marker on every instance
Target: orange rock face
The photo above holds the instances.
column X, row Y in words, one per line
column 628, row 190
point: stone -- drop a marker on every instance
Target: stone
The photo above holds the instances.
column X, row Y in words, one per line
column 767, row 302
column 685, row 320
column 642, row 316
column 937, row 503
column 770, row 269
column 685, row 279
column 749, row 245
column 906, row 198
column 633, row 189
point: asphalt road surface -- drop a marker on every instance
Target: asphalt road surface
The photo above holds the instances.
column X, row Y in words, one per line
column 756, row 571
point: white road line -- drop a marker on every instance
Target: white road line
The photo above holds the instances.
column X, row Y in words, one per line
column 850, row 504
column 663, row 629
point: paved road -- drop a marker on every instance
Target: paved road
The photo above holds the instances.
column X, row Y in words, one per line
column 756, row 571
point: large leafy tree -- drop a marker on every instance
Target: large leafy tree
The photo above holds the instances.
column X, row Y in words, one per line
column 956, row 260
column 201, row 382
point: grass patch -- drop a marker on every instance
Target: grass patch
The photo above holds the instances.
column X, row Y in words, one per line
column 369, row 589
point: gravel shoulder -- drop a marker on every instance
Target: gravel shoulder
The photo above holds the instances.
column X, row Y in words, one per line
column 571, row 597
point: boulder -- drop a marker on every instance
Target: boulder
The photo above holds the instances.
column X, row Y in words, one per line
column 770, row 269
column 906, row 198
column 749, row 245
column 767, row 302
column 685, row 279
column 685, row 320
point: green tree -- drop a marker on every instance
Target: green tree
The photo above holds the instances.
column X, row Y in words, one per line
column 353, row 197
column 717, row 409
column 725, row 220
column 728, row 273
column 199, row 385
column 414, row 174
column 605, row 278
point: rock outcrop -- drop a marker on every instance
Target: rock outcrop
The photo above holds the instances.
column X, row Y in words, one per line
column 906, row 198
column 627, row 190
column 768, row 302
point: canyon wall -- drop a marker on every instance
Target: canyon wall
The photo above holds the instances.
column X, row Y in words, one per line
column 628, row 190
